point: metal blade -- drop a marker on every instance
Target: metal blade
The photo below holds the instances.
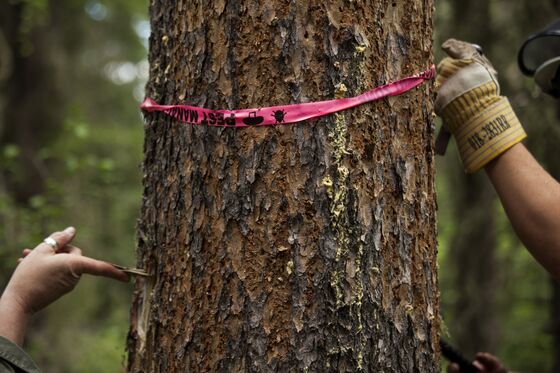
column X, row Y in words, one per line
column 132, row 271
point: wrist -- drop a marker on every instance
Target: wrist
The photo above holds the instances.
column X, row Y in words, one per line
column 14, row 318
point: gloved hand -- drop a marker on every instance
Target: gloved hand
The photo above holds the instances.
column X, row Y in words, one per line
column 469, row 102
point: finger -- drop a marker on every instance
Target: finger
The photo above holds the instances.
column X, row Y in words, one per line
column 490, row 362
column 449, row 67
column 70, row 249
column 24, row 254
column 65, row 237
column 460, row 49
column 478, row 365
column 61, row 238
column 84, row 264
column 453, row 368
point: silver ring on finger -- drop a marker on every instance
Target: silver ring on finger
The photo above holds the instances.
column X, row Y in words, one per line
column 51, row 242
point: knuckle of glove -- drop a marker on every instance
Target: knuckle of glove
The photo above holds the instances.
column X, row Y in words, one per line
column 448, row 67
column 466, row 91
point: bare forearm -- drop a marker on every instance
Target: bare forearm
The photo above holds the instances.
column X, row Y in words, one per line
column 531, row 199
column 13, row 321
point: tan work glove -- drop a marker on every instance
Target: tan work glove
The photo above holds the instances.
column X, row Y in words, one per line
column 469, row 102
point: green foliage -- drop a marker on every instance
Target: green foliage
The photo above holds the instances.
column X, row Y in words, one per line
column 524, row 293
column 524, row 305
column 93, row 176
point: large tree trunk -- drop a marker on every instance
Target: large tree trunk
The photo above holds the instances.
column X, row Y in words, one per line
column 307, row 247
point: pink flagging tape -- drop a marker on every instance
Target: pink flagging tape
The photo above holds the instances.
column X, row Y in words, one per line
column 285, row 114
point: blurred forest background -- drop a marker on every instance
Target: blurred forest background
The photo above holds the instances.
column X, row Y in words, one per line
column 72, row 74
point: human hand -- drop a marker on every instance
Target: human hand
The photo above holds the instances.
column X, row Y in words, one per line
column 46, row 273
column 485, row 362
column 468, row 100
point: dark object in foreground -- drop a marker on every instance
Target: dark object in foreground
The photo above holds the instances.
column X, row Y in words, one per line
column 455, row 356
column 539, row 57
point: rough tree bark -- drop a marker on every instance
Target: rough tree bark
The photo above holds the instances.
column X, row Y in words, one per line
column 306, row 247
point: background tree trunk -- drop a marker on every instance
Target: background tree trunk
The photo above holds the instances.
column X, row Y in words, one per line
column 305, row 247
column 30, row 106
column 473, row 246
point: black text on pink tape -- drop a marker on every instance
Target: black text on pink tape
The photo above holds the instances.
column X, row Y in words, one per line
column 285, row 114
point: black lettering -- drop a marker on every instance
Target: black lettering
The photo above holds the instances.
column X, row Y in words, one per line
column 495, row 127
column 212, row 117
column 506, row 123
column 193, row 115
column 475, row 141
column 230, row 121
column 503, row 123
column 205, row 119
column 220, row 119
column 492, row 130
column 174, row 112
